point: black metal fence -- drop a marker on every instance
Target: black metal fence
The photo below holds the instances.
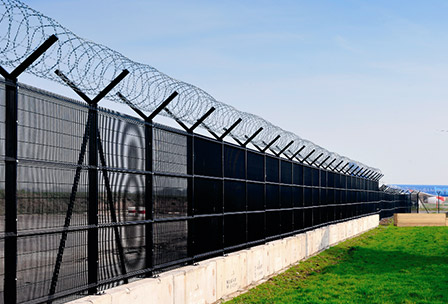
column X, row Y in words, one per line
column 149, row 198
column 91, row 198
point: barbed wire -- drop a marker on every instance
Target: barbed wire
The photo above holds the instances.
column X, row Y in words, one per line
column 92, row 66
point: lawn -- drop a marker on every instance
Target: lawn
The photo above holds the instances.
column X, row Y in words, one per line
column 385, row 265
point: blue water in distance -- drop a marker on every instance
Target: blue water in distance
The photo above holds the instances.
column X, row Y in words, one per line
column 430, row 189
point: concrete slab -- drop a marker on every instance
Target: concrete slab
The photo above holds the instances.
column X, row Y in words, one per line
column 256, row 264
column 302, row 246
column 294, row 248
column 310, row 243
column 372, row 221
column 349, row 229
column 376, row 220
column 324, row 238
column 195, row 284
column 231, row 273
column 276, row 251
column 179, row 285
column 333, row 231
column 267, row 259
column 210, row 281
column 318, row 234
column 200, row 283
column 364, row 224
column 287, row 251
column 356, row 227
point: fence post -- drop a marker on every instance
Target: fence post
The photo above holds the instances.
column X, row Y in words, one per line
column 92, row 235
column 11, row 124
column 190, row 194
column 149, row 183
column 10, row 287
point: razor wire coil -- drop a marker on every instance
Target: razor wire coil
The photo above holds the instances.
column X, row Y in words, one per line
column 92, row 66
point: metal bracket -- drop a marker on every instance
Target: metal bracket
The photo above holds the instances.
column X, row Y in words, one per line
column 285, row 147
column 297, row 153
column 229, row 129
column 252, row 136
column 306, row 157
column 271, row 143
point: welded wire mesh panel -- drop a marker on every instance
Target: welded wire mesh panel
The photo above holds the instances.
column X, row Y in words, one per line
column 122, row 197
column 122, row 141
column 307, row 176
column 286, row 172
column 343, row 181
column 287, row 221
column 208, row 233
column 323, row 196
column 272, row 196
column 323, row 178
column 308, row 217
column 297, row 196
column 349, row 182
column 255, row 166
column 208, row 198
column 298, row 219
column 170, row 197
column 235, row 230
column 46, row 193
column 316, row 216
column 324, row 214
column 255, row 196
column 330, row 179
column 307, row 197
column 36, row 263
column 207, row 157
column 234, row 162
column 234, row 196
column 273, row 223
column 255, row 225
column 120, row 251
column 286, row 197
column 170, row 242
column 337, row 180
column 315, row 177
column 272, row 169
column 170, row 152
column 297, row 174
column 50, row 128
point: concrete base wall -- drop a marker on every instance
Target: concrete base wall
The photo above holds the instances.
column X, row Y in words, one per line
column 221, row 277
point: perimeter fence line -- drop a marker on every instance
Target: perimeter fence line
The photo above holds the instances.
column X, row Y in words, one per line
column 91, row 198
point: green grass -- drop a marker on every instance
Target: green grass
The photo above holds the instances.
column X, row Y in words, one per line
column 384, row 265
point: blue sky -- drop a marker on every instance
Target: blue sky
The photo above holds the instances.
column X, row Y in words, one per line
column 366, row 79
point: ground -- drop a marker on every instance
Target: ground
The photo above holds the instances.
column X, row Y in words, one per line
column 385, row 265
